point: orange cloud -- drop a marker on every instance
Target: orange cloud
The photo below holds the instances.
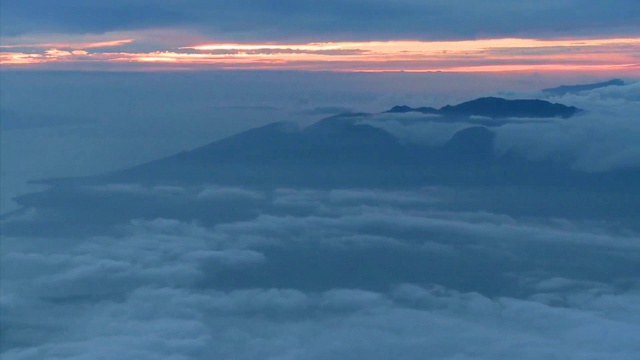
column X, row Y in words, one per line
column 485, row 55
column 72, row 45
column 15, row 58
column 522, row 68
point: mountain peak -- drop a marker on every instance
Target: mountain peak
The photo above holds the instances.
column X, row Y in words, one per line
column 401, row 109
column 496, row 107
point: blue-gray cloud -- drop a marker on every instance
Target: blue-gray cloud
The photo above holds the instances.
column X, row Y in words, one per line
column 471, row 284
column 603, row 138
column 314, row 20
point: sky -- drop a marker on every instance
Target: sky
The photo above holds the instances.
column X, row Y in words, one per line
column 139, row 267
column 347, row 36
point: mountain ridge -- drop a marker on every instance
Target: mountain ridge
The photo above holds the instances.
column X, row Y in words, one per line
column 343, row 152
column 570, row 89
column 497, row 108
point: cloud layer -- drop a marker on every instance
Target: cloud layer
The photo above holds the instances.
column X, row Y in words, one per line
column 478, row 55
column 282, row 284
column 603, row 138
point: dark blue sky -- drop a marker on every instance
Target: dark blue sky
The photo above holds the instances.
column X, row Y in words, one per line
column 280, row 20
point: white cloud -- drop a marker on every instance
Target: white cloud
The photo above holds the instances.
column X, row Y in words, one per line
column 592, row 142
column 228, row 193
column 418, row 129
column 408, row 322
column 331, row 227
column 137, row 189
column 174, row 289
column 602, row 139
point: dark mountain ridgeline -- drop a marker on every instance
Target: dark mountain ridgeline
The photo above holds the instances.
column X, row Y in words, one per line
column 401, row 109
column 496, row 108
column 335, row 153
column 571, row 89
column 501, row 108
column 342, row 152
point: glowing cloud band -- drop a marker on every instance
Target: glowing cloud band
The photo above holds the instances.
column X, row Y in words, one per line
column 485, row 55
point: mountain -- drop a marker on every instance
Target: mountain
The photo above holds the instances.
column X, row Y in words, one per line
column 400, row 109
column 335, row 151
column 502, row 108
column 495, row 107
column 339, row 152
column 344, row 152
column 570, row 89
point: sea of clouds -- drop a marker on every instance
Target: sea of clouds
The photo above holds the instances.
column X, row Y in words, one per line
column 216, row 272
column 322, row 274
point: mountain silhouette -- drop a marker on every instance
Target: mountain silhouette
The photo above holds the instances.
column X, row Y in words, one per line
column 569, row 89
column 344, row 152
column 400, row 109
column 335, row 153
column 495, row 107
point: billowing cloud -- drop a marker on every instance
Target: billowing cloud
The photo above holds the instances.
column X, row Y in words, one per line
column 603, row 138
column 168, row 288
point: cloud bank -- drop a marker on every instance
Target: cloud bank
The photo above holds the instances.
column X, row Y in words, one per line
column 283, row 284
column 478, row 55
column 603, row 138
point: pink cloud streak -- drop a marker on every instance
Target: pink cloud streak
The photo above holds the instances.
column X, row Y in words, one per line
column 485, row 55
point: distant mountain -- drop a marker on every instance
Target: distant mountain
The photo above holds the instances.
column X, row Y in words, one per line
column 335, row 153
column 567, row 89
column 502, row 108
column 405, row 109
column 495, row 107
column 343, row 152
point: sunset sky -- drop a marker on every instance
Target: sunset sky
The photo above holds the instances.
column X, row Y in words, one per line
column 341, row 36
column 319, row 179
